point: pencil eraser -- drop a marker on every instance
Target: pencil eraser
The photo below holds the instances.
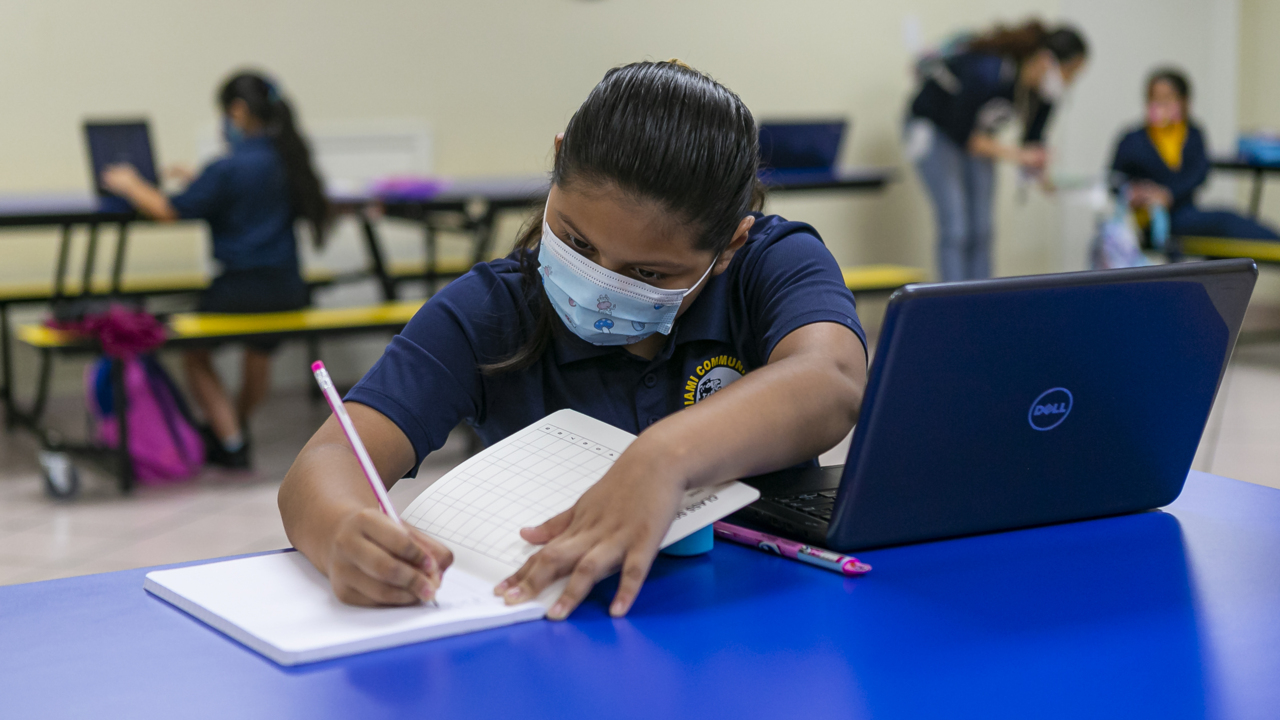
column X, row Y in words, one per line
column 853, row 567
column 317, row 366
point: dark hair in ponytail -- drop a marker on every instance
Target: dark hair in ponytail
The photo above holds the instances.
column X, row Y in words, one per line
column 306, row 190
column 1022, row 41
column 661, row 132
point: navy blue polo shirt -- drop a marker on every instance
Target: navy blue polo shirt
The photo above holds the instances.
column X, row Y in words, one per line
column 244, row 196
column 429, row 378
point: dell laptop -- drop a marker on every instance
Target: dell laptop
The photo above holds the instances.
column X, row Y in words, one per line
column 1015, row 402
column 800, row 148
column 115, row 142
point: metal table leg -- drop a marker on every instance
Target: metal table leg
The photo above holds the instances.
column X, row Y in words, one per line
column 374, row 246
column 90, row 259
column 313, row 354
column 482, row 232
column 6, row 372
column 124, row 471
column 1255, row 193
column 117, row 267
column 60, row 273
column 430, row 271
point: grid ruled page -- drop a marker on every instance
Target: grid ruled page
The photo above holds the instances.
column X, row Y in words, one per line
column 522, row 481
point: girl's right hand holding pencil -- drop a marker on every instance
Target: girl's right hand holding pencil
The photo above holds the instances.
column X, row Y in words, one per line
column 332, row 516
column 373, row 561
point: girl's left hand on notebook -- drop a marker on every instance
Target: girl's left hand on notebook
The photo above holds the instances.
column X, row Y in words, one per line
column 618, row 523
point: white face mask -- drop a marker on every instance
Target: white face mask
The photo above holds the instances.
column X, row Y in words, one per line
column 1052, row 85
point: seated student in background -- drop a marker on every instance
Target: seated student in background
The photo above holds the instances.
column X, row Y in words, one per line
column 651, row 260
column 1165, row 161
column 953, row 122
column 250, row 197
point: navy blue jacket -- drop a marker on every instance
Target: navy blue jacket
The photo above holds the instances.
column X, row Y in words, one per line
column 1136, row 158
column 974, row 92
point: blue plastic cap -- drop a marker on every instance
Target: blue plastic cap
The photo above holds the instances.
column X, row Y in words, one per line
column 696, row 544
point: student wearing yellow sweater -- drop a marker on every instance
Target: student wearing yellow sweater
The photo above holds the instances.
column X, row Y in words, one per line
column 1164, row 162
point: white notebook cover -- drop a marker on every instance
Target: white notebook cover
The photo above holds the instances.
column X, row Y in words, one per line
column 282, row 607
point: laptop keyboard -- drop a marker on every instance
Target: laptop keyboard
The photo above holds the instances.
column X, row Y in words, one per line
column 815, row 504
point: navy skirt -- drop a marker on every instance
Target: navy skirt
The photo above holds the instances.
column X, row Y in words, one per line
column 256, row 290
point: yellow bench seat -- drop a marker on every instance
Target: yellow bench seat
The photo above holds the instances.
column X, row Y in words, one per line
column 1267, row 251
column 417, row 268
column 199, row 326
column 211, row 325
column 877, row 278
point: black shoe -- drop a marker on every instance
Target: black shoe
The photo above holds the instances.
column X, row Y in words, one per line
column 212, row 445
column 238, row 460
column 215, row 453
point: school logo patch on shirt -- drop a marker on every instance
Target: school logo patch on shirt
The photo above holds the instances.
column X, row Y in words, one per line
column 712, row 375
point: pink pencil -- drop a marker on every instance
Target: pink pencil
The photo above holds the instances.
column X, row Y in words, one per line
column 357, row 445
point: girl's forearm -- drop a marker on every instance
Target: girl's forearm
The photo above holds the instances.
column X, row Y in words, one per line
column 786, row 412
column 319, row 489
column 151, row 202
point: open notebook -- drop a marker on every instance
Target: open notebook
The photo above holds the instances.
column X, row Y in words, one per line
column 282, row 607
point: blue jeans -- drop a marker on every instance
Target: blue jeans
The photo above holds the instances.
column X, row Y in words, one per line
column 962, row 189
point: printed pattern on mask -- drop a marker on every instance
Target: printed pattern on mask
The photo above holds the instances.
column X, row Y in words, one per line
column 601, row 306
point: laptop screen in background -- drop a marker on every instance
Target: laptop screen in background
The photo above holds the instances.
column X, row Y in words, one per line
column 120, row 142
column 801, row 145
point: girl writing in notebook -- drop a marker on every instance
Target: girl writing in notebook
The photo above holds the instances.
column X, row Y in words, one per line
column 250, row 197
column 650, row 294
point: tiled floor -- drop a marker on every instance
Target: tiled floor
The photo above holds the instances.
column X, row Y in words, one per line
column 226, row 513
column 1242, row 439
column 219, row 513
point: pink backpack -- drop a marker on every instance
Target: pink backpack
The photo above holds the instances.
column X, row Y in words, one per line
column 163, row 441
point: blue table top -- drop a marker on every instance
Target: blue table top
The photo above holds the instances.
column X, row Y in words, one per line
column 1164, row 614
column 33, row 209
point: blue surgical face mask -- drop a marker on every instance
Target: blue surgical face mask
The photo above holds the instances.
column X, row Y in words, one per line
column 231, row 131
column 602, row 306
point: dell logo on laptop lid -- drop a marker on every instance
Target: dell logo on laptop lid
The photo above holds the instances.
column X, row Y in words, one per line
column 1050, row 409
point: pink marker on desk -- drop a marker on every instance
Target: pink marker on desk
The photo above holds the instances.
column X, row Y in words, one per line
column 357, row 445
column 826, row 559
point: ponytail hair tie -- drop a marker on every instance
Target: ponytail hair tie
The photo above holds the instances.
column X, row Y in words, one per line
column 273, row 95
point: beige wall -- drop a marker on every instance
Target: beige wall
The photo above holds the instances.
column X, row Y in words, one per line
column 494, row 81
column 1260, row 84
column 1259, row 65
